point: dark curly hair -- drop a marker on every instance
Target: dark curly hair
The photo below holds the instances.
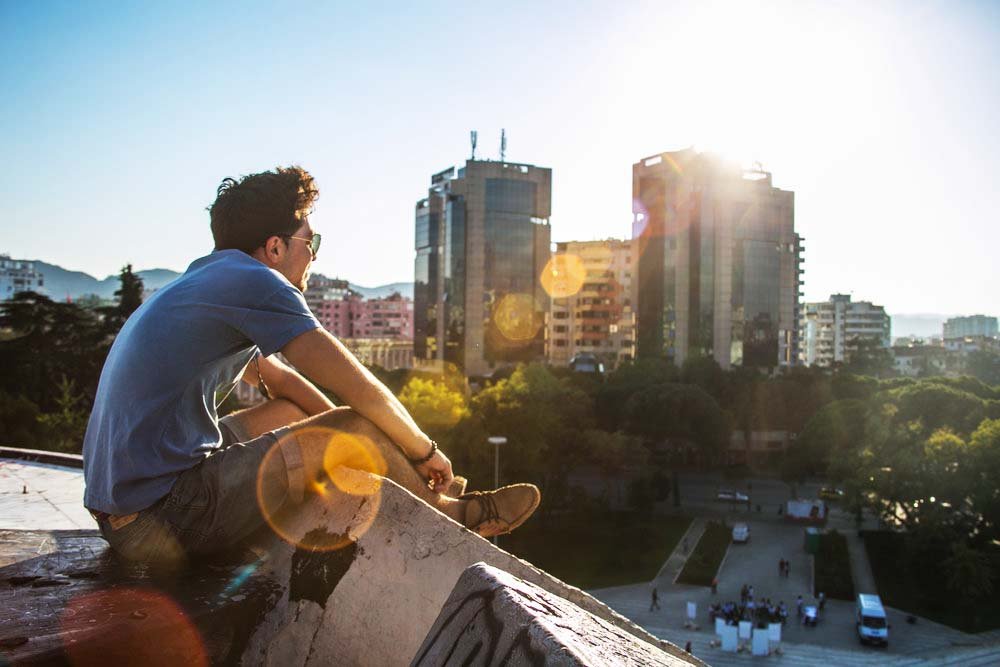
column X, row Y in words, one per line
column 273, row 203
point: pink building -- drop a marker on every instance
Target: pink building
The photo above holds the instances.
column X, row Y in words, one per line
column 346, row 314
column 390, row 317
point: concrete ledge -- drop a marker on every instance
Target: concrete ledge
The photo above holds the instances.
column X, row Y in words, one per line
column 374, row 601
column 494, row 618
column 42, row 456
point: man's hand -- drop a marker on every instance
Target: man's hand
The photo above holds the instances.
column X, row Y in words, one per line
column 437, row 472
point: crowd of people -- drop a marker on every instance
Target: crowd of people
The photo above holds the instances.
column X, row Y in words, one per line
column 759, row 611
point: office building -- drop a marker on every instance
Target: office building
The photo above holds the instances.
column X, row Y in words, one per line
column 596, row 314
column 482, row 242
column 973, row 326
column 719, row 262
column 831, row 329
column 18, row 275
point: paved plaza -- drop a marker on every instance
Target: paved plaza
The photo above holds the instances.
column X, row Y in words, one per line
column 833, row 641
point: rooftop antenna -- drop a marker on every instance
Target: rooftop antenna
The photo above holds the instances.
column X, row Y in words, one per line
column 474, row 136
column 503, row 144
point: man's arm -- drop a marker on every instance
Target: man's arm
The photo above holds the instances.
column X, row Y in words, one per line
column 325, row 359
column 285, row 382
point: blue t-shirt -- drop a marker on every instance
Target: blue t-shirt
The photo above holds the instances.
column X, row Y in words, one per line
column 155, row 412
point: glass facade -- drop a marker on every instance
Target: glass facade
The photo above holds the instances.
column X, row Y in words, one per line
column 510, row 269
column 454, row 280
column 756, row 287
column 425, row 280
column 732, row 235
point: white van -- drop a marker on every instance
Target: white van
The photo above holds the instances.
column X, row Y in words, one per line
column 873, row 626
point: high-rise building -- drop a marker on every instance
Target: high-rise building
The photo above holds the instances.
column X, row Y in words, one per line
column 719, row 262
column 973, row 326
column 17, row 275
column 830, row 330
column 482, row 242
column 599, row 317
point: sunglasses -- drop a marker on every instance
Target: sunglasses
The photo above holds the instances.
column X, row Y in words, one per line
column 313, row 242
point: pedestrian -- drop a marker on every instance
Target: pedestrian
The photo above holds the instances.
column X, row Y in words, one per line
column 655, row 604
column 781, row 567
column 743, row 595
column 750, row 592
column 788, row 568
column 687, row 647
column 798, row 606
column 715, row 585
column 822, row 600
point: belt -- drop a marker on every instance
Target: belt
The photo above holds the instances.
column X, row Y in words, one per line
column 114, row 520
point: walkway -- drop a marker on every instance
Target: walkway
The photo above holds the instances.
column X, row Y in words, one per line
column 675, row 561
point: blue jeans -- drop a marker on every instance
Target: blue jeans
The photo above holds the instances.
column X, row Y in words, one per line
column 214, row 506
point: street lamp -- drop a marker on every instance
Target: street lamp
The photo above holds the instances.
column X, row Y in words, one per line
column 496, row 441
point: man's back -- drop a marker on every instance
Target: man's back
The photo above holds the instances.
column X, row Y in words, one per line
column 174, row 360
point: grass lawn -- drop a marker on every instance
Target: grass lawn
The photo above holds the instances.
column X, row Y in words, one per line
column 898, row 589
column 597, row 551
column 703, row 563
column 833, row 568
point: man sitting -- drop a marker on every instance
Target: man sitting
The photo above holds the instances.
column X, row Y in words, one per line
column 166, row 478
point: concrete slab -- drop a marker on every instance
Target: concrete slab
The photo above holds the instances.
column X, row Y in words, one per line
column 494, row 618
column 41, row 496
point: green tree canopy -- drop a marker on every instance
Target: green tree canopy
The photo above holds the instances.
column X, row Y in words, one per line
column 681, row 412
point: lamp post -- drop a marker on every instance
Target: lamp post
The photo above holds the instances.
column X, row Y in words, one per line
column 496, row 441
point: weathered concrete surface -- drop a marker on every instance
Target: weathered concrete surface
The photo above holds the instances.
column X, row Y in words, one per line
column 41, row 492
column 374, row 601
column 493, row 618
column 370, row 602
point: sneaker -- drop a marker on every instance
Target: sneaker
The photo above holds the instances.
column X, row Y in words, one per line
column 498, row 512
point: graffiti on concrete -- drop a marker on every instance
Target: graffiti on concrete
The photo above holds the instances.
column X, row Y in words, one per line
column 476, row 632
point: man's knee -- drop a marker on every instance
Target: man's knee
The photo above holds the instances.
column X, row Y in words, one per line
column 346, row 420
column 253, row 422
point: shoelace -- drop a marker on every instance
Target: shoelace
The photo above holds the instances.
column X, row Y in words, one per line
column 487, row 505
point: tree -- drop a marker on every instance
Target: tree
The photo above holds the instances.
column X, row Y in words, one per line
column 627, row 380
column 680, row 412
column 129, row 295
column 543, row 419
column 969, row 575
column 50, row 340
column 830, row 436
column 433, row 405
column 984, row 365
column 64, row 427
column 129, row 292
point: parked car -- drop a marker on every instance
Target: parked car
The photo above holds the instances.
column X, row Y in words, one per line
column 730, row 496
column 741, row 533
column 873, row 627
column 830, row 493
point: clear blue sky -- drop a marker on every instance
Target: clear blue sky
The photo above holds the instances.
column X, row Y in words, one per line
column 118, row 120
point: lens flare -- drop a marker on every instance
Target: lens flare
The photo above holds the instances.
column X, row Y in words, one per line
column 563, row 276
column 351, row 479
column 136, row 626
column 516, row 318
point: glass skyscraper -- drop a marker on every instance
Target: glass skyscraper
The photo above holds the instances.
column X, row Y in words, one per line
column 719, row 262
column 482, row 241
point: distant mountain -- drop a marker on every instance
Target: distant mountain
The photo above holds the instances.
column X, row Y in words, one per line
column 921, row 325
column 61, row 283
column 382, row 291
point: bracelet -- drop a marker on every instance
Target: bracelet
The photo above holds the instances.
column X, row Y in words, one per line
column 430, row 455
